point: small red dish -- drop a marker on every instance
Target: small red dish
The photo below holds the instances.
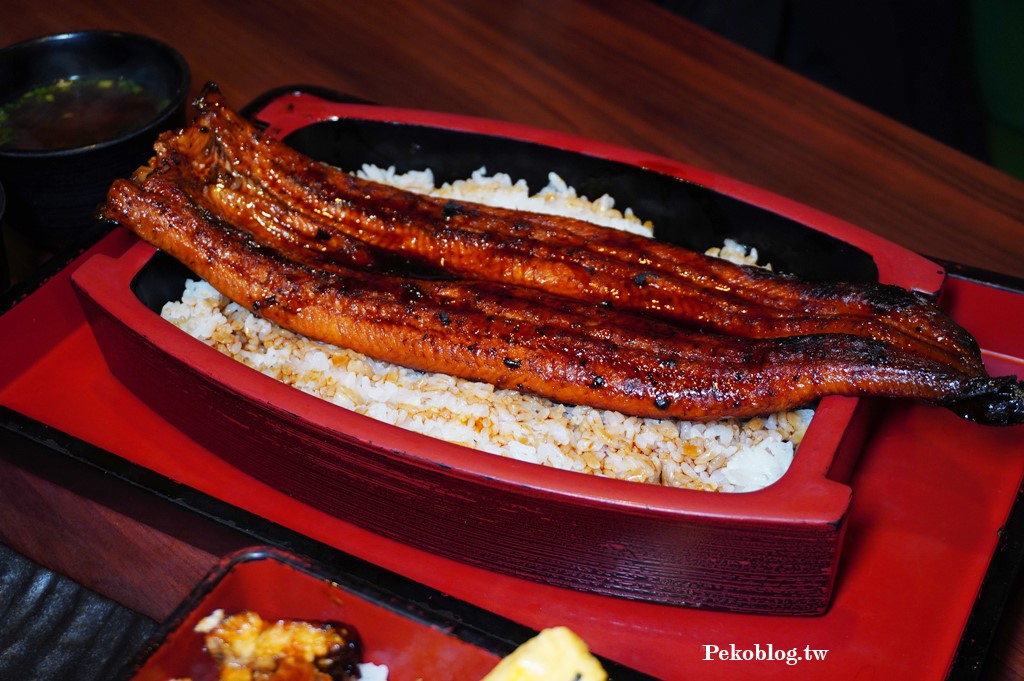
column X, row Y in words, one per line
column 416, row 638
column 771, row 551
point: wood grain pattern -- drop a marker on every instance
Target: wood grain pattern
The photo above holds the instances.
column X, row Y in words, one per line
column 627, row 73
column 111, row 540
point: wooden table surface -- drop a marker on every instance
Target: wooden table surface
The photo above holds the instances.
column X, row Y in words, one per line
column 628, row 73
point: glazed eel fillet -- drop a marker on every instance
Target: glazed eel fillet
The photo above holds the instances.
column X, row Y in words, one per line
column 562, row 348
column 237, row 165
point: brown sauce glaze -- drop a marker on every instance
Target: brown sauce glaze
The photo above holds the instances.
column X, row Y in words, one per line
column 565, row 349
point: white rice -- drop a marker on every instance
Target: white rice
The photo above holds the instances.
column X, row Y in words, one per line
column 730, row 455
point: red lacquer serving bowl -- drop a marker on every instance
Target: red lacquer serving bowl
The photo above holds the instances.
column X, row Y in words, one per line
column 771, row 551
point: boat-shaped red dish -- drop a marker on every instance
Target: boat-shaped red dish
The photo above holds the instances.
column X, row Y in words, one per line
column 774, row 550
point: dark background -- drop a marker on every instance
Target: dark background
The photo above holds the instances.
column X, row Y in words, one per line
column 951, row 69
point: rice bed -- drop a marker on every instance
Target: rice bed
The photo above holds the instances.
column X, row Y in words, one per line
column 729, row 455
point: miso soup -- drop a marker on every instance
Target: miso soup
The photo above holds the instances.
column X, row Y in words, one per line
column 75, row 113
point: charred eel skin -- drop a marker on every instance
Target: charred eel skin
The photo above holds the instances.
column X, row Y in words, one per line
column 559, row 255
column 565, row 349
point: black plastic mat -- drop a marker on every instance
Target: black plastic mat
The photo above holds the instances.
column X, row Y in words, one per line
column 53, row 628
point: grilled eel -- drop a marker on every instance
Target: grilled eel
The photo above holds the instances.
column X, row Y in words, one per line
column 568, row 350
column 236, row 165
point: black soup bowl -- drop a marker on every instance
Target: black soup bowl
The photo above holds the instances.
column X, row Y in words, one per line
column 77, row 111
